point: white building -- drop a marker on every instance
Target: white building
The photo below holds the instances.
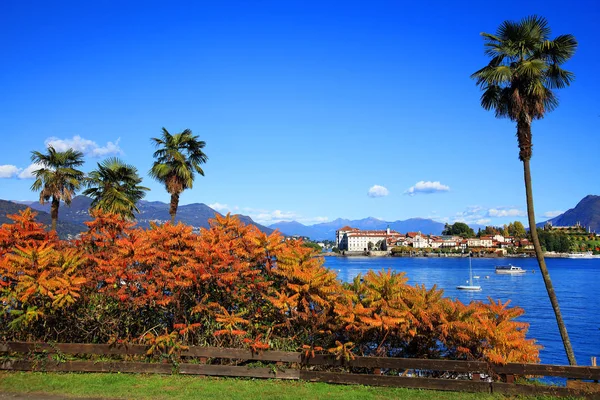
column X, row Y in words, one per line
column 420, row 242
column 354, row 239
column 437, row 243
column 451, row 242
column 487, row 241
column 474, row 242
column 498, row 238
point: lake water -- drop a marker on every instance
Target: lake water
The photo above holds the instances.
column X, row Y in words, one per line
column 576, row 282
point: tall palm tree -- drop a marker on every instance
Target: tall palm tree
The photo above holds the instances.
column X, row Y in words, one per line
column 178, row 157
column 114, row 186
column 518, row 84
column 57, row 179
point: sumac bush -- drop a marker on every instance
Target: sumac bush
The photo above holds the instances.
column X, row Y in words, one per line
column 231, row 285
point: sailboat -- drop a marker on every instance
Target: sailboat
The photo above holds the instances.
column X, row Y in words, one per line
column 470, row 285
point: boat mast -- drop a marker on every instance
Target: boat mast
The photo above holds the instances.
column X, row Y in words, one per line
column 470, row 272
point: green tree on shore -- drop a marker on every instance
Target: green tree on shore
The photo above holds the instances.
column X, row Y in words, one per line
column 178, row 158
column 490, row 231
column 517, row 230
column 459, row 229
column 115, row 187
column 518, row 84
column 57, row 179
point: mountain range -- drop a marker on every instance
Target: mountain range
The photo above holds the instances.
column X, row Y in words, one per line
column 326, row 230
column 64, row 227
column 586, row 212
column 71, row 219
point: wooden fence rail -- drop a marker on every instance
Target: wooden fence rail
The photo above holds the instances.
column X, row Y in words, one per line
column 299, row 367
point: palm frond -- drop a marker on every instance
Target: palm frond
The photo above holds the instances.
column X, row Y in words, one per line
column 524, row 68
column 178, row 157
column 115, row 188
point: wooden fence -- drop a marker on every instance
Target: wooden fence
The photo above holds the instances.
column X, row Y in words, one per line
column 465, row 376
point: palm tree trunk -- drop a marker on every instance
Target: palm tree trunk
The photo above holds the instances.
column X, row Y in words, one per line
column 54, row 212
column 173, row 208
column 542, row 263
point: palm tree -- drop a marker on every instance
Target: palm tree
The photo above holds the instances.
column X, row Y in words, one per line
column 177, row 158
column 115, row 188
column 57, row 178
column 518, row 84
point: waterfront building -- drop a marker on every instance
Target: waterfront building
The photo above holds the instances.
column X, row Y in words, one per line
column 474, row 242
column 487, row 241
column 396, row 241
column 354, row 239
column 574, row 228
column 420, row 241
column 451, row 242
column 498, row 238
column 436, row 243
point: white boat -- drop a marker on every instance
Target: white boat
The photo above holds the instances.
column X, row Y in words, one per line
column 586, row 255
column 470, row 286
column 509, row 270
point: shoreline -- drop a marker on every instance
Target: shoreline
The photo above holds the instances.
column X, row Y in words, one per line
column 448, row 255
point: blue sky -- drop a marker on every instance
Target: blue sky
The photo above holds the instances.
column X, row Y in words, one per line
column 310, row 110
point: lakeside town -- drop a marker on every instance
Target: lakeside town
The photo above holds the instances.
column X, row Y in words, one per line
column 458, row 239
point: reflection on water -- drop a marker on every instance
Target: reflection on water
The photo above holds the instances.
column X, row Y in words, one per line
column 576, row 282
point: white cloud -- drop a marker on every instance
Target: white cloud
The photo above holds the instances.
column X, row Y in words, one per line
column 86, row 146
column 484, row 216
column 505, row 212
column 314, row 220
column 471, row 215
column 27, row 173
column 8, row 171
column 426, row 187
column 219, row 207
column 552, row 214
column 268, row 217
column 377, row 191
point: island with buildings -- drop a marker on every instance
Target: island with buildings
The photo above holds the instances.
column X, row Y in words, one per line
column 353, row 241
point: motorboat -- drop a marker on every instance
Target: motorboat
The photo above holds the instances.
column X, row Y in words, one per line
column 584, row 255
column 509, row 270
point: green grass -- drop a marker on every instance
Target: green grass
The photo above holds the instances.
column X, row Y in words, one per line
column 132, row 386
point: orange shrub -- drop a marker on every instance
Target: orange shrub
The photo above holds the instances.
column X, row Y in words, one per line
column 231, row 285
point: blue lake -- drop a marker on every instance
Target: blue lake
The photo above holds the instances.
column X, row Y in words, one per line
column 576, row 282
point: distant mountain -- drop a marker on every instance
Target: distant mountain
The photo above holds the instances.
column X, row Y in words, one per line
column 293, row 228
column 427, row 226
column 64, row 228
column 326, row 230
column 76, row 213
column 586, row 212
column 196, row 215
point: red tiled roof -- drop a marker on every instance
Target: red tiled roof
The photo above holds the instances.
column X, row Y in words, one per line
column 373, row 233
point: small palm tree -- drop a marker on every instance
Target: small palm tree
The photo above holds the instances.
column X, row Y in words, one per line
column 178, row 157
column 57, row 179
column 518, row 84
column 115, row 188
